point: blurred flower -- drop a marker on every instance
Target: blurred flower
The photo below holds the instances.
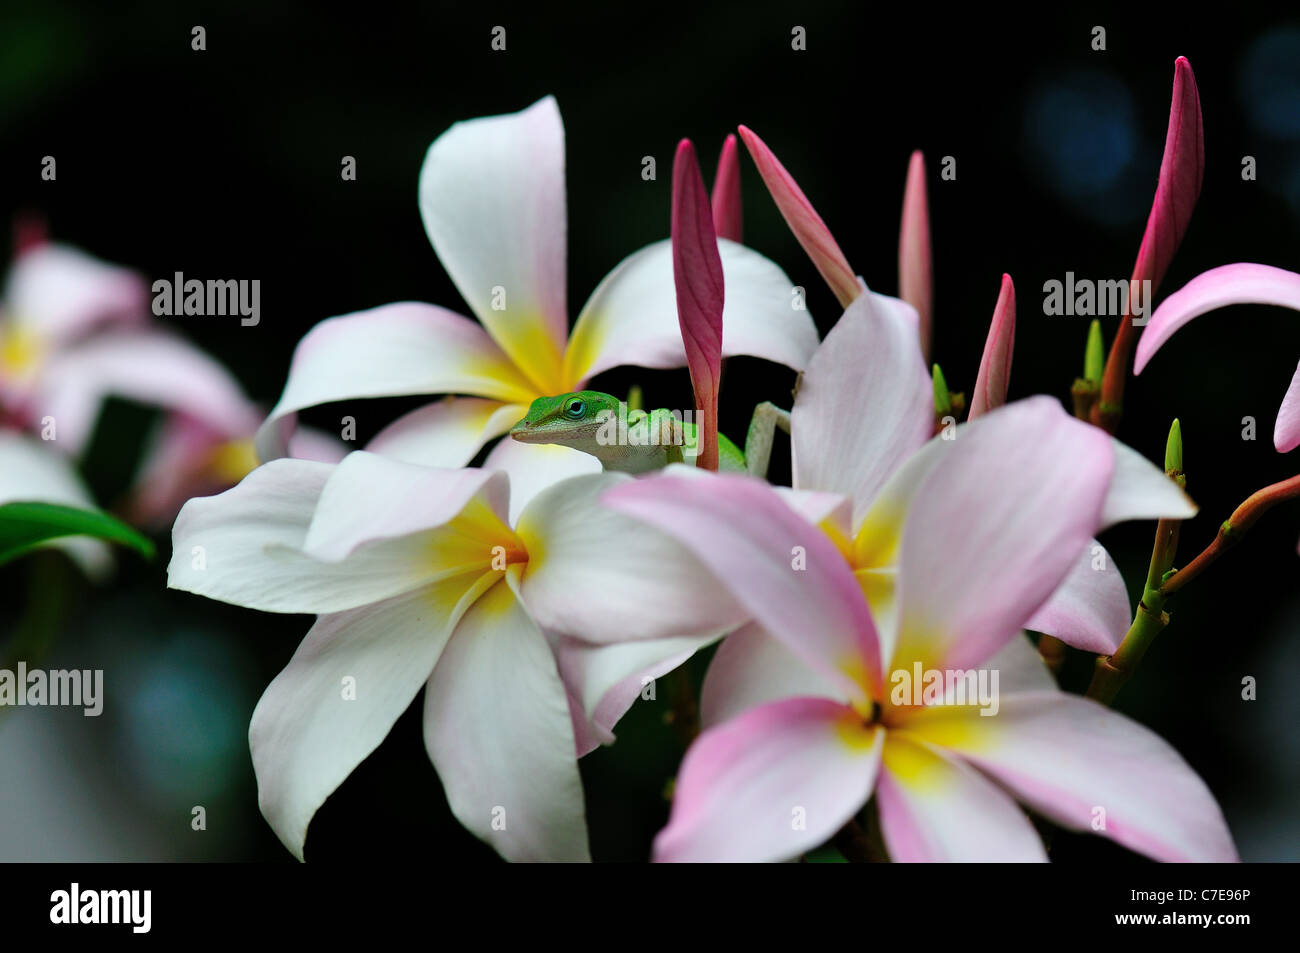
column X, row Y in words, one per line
column 418, row 579
column 75, row 331
column 812, row 729
column 492, row 195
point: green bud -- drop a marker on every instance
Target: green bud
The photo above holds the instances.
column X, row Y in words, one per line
column 635, row 400
column 942, row 399
column 1094, row 354
column 1174, row 450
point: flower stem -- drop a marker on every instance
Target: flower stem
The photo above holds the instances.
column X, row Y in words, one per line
column 1234, row 527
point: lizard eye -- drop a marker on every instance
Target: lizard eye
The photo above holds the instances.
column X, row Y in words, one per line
column 575, row 409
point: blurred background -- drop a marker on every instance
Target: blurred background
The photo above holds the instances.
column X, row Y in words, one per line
column 225, row 164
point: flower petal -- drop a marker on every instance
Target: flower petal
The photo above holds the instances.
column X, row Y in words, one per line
column 1090, row 610
column 635, row 583
column 607, row 679
column 1222, row 287
column 803, row 221
column 783, row 571
column 994, row 532
column 935, row 809
column 391, row 351
column 631, row 317
column 31, row 471
column 492, row 199
column 995, row 366
column 865, row 405
column 1181, row 170
column 534, row 467
column 446, row 433
column 498, row 729
column 915, row 271
column 697, row 277
column 299, row 536
column 309, row 732
column 146, row 366
column 1227, row 285
column 1067, row 756
column 770, row 784
column 727, row 209
column 1139, row 490
column 751, row 668
column 62, row 293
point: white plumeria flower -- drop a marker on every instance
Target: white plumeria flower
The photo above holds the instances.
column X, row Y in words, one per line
column 419, row 580
column 492, row 195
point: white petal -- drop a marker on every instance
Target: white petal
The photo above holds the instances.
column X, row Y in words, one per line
column 447, row 433
column 492, row 199
column 497, row 726
column 534, row 467
column 632, row 316
column 1090, row 610
column 1139, row 490
column 355, row 673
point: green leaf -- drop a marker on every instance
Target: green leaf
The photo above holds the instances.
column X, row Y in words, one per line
column 26, row 525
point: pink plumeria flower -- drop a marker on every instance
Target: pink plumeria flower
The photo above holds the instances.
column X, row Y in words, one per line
column 813, row 726
column 74, row 331
column 1223, row 287
column 419, row 578
column 492, row 196
column 860, row 433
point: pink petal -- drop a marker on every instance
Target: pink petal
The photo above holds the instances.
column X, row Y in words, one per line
column 63, row 293
column 865, row 405
column 995, row 366
column 697, row 276
column 935, row 809
column 498, row 729
column 1066, row 757
column 1090, row 609
column 1179, row 185
column 1222, row 287
column 994, row 532
column 1286, row 432
column 492, row 197
column 1227, row 285
column 803, row 220
column 726, row 192
column 915, row 276
column 150, row 367
column 390, row 351
column 771, row 784
column 752, row 542
column 751, row 668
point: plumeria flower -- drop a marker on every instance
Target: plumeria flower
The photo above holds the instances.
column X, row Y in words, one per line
column 985, row 529
column 860, row 432
column 492, row 196
column 1222, row 287
column 420, row 579
column 74, row 331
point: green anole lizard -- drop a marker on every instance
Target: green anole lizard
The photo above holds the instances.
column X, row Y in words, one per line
column 635, row 441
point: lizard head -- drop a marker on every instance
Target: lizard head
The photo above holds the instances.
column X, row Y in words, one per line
column 572, row 420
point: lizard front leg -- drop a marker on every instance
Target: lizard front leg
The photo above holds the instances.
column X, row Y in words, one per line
column 762, row 431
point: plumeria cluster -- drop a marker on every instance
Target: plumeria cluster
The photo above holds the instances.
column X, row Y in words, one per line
column 851, row 615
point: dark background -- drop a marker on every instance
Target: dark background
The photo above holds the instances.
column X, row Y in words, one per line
column 225, row 163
